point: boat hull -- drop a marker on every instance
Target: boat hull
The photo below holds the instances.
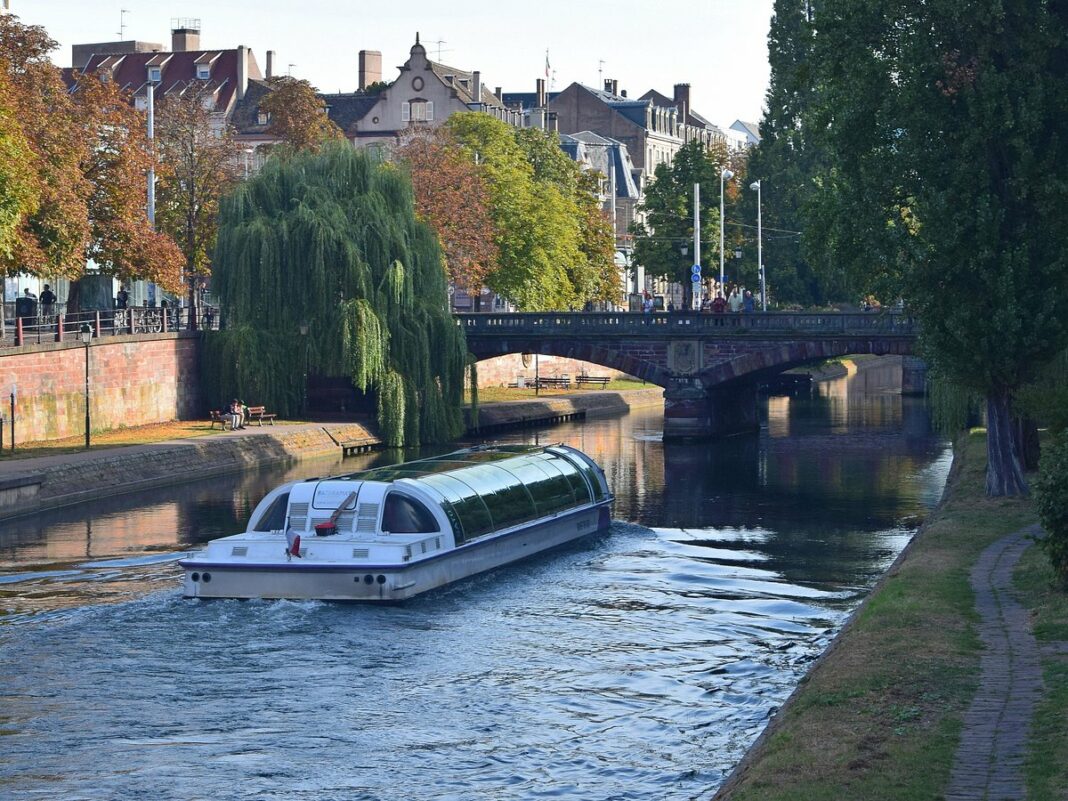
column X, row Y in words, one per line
column 297, row 580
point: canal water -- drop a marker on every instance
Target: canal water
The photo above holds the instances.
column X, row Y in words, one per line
column 639, row 664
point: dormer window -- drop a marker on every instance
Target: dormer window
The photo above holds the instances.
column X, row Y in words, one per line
column 203, row 72
column 263, row 118
column 155, row 74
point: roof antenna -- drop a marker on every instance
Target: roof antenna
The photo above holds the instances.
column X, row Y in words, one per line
column 600, row 71
column 439, row 43
column 122, row 23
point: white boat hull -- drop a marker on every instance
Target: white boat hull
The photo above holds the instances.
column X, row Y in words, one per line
column 353, row 581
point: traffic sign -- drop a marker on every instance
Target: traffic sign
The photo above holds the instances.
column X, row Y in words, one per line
column 696, row 278
column 696, row 269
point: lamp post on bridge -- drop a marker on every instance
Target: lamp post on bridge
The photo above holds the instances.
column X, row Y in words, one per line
column 760, row 250
column 724, row 176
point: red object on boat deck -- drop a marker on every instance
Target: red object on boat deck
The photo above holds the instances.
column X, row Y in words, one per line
column 327, row 529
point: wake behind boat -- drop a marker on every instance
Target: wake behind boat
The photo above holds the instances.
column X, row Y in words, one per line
column 393, row 532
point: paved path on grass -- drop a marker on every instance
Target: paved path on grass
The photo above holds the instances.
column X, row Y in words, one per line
column 993, row 746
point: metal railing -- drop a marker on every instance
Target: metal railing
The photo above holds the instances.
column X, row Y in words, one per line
column 135, row 321
column 688, row 323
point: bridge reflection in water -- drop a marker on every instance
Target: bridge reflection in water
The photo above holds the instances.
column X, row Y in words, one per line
column 709, row 364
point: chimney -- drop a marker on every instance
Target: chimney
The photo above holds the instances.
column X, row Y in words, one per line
column 611, row 85
column 623, row 93
column 185, row 37
column 499, row 93
column 371, row 67
column 682, row 100
column 554, row 122
column 476, row 86
column 270, row 64
column 540, row 91
column 242, row 71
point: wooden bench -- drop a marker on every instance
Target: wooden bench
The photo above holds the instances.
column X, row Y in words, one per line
column 554, row 382
column 222, row 418
column 593, row 381
column 259, row 414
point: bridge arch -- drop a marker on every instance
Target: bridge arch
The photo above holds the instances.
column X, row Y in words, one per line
column 607, row 357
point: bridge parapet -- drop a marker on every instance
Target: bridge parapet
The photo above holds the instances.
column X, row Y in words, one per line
column 688, row 324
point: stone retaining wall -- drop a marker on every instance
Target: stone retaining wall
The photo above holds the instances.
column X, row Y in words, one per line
column 132, row 381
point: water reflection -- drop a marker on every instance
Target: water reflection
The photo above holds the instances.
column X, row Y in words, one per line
column 638, row 664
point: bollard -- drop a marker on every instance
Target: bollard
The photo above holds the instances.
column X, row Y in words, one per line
column 59, row 327
column 97, row 332
column 18, row 330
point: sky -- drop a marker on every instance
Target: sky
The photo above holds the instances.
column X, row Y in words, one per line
column 719, row 47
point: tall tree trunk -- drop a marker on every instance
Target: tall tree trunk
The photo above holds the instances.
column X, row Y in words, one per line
column 1004, row 475
column 1027, row 442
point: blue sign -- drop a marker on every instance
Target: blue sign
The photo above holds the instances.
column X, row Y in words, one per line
column 696, row 278
column 696, row 269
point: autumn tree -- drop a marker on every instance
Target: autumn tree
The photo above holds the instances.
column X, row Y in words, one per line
column 89, row 157
column 20, row 192
column 51, row 240
column 297, row 114
column 452, row 196
column 200, row 160
column 122, row 241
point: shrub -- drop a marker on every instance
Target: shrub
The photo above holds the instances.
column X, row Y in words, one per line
column 1051, row 496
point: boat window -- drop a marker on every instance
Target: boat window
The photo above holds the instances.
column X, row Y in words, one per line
column 465, row 503
column 274, row 519
column 404, row 515
column 574, row 478
column 549, row 488
column 507, row 500
column 592, row 477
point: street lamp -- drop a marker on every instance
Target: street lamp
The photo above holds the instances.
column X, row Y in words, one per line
column 724, row 176
column 86, row 335
column 760, row 250
column 304, row 327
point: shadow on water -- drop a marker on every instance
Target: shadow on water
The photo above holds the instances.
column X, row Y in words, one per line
column 638, row 664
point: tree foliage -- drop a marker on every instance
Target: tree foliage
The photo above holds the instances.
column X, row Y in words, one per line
column 86, row 167
column 451, row 195
column 201, row 164
column 546, row 259
column 297, row 114
column 122, row 242
column 786, row 162
column 20, row 193
column 668, row 204
column 942, row 179
column 330, row 239
column 1051, row 498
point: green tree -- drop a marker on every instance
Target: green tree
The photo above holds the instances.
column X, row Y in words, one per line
column 535, row 224
column 20, row 193
column 331, row 240
column 593, row 274
column 668, row 204
column 943, row 178
column 785, row 162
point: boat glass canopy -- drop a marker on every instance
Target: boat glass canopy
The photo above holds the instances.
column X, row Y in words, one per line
column 483, row 491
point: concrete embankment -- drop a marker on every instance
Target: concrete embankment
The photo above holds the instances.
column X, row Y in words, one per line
column 31, row 485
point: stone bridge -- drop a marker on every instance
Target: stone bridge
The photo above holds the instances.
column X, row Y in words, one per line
column 708, row 364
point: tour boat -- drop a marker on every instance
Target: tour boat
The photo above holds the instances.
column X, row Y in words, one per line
column 389, row 533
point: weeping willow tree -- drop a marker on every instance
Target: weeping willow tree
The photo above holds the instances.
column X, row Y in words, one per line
column 330, row 241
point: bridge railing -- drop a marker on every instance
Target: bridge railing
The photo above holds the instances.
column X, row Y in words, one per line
column 669, row 323
column 134, row 321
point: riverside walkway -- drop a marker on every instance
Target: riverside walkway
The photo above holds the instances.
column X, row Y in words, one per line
column 993, row 745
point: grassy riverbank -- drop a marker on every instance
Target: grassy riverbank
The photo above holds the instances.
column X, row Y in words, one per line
column 880, row 715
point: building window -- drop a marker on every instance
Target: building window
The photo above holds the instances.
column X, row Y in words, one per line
column 263, row 118
column 155, row 74
column 203, row 71
column 417, row 111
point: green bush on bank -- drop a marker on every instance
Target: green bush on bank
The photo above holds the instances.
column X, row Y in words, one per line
column 1051, row 497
